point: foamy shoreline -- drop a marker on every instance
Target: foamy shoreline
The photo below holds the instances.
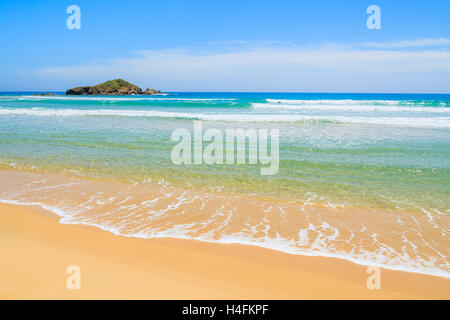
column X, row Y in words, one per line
column 174, row 223
column 280, row 248
column 38, row 249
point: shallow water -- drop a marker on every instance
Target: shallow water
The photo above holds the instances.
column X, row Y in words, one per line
column 361, row 177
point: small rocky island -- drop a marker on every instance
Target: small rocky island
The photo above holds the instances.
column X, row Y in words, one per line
column 117, row 87
column 44, row 94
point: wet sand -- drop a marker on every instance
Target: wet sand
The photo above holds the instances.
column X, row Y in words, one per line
column 36, row 251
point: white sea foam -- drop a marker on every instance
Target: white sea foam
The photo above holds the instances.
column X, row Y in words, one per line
column 350, row 102
column 420, row 122
column 317, row 248
column 348, row 107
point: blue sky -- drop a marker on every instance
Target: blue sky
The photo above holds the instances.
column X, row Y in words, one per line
column 297, row 46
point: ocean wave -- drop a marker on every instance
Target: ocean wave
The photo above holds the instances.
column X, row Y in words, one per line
column 326, row 234
column 423, row 122
column 349, row 107
column 347, row 102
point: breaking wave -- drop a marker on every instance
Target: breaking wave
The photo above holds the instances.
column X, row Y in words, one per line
column 430, row 122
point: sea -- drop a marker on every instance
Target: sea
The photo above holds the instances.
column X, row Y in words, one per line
column 362, row 177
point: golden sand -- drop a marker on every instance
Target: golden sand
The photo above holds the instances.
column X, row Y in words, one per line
column 36, row 251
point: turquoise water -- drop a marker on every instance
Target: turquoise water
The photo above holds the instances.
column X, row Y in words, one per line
column 355, row 149
column 364, row 177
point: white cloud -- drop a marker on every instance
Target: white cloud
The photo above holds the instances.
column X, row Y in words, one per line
column 283, row 68
column 426, row 42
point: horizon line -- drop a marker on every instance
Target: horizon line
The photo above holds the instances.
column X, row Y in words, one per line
column 288, row 92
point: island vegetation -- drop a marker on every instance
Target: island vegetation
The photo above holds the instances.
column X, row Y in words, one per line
column 114, row 87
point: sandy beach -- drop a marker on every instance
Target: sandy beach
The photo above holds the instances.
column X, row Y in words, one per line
column 36, row 250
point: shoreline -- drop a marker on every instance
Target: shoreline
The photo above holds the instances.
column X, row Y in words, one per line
column 52, row 212
column 37, row 249
column 56, row 184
